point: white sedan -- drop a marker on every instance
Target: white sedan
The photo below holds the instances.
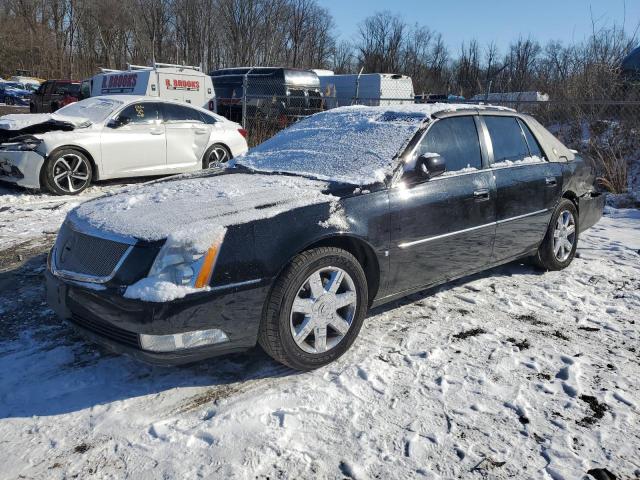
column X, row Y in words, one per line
column 113, row 136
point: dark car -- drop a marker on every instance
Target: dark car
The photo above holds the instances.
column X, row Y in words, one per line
column 277, row 95
column 53, row 95
column 291, row 245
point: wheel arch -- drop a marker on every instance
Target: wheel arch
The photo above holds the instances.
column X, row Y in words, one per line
column 360, row 249
column 84, row 151
column 571, row 195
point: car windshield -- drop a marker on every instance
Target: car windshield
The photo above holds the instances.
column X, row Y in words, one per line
column 94, row 109
column 354, row 145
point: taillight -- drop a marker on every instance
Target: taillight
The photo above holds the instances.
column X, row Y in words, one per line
column 243, row 132
column 212, row 105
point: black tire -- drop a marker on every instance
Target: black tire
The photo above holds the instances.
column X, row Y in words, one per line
column 9, row 101
column 547, row 257
column 32, row 108
column 275, row 334
column 53, row 167
column 211, row 151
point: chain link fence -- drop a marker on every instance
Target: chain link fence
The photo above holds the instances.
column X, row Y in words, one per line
column 609, row 130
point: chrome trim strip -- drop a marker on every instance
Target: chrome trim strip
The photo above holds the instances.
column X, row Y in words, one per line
column 457, row 232
column 531, row 214
column 80, row 277
column 445, row 235
column 236, row 285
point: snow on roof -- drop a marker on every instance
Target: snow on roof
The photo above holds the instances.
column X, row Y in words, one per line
column 349, row 144
column 183, row 206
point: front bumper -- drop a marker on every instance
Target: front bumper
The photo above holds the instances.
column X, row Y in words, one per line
column 22, row 168
column 115, row 322
column 590, row 208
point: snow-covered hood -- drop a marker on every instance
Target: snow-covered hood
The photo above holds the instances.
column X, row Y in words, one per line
column 187, row 205
column 24, row 120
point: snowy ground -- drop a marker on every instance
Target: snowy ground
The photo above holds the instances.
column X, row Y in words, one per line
column 511, row 373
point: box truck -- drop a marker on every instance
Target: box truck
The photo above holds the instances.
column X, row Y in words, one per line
column 365, row 89
column 174, row 82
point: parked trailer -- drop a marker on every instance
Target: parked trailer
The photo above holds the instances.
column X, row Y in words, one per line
column 183, row 83
column 273, row 94
column 366, row 89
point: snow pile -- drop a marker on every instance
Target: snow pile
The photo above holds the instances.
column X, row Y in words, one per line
column 337, row 218
column 467, row 169
column 154, row 290
column 523, row 161
column 157, row 210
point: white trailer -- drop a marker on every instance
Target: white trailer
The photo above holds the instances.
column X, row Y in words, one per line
column 173, row 82
column 366, row 89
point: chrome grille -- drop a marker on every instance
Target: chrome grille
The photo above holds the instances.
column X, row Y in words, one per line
column 84, row 255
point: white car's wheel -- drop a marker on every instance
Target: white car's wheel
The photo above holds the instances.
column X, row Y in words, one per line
column 216, row 156
column 67, row 172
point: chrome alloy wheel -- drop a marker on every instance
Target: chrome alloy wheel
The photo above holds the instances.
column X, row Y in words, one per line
column 217, row 157
column 564, row 235
column 323, row 310
column 71, row 172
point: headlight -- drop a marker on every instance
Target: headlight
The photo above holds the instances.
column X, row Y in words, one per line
column 186, row 262
column 27, row 144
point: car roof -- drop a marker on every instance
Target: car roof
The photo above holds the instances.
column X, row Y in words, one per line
column 424, row 111
column 128, row 99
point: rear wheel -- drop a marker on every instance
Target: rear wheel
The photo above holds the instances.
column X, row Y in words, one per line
column 67, row 172
column 558, row 248
column 315, row 310
column 216, row 156
column 9, row 101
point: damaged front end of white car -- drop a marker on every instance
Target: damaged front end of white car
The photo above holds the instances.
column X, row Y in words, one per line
column 21, row 161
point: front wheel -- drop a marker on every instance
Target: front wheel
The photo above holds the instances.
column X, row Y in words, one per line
column 315, row 310
column 558, row 248
column 67, row 172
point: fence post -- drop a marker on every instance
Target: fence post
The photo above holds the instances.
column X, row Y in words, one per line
column 245, row 82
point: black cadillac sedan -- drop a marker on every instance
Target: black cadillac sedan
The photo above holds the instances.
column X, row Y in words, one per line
column 290, row 245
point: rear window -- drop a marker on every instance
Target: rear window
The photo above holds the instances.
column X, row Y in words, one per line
column 509, row 143
column 532, row 143
column 181, row 113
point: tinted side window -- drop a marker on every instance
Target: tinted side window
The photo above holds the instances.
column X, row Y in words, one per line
column 61, row 88
column 140, row 113
column 456, row 140
column 534, row 146
column 180, row 113
column 507, row 139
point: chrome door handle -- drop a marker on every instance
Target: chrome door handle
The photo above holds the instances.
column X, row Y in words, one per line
column 481, row 194
column 200, row 131
column 550, row 181
column 156, row 132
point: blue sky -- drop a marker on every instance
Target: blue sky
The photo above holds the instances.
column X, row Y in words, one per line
column 501, row 21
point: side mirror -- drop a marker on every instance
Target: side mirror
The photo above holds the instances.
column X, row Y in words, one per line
column 114, row 123
column 430, row 165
